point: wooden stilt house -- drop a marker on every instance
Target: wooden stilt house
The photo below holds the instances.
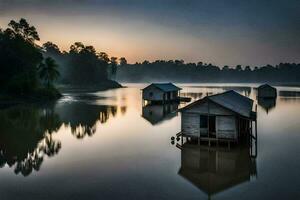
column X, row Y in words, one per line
column 222, row 117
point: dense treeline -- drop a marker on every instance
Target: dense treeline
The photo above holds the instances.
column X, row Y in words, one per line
column 191, row 72
column 24, row 70
column 28, row 69
column 83, row 65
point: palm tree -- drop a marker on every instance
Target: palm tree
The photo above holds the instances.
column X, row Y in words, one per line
column 48, row 71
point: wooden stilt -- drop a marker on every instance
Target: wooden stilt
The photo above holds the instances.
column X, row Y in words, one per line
column 181, row 139
column 256, row 129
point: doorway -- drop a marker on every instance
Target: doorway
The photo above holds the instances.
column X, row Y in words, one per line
column 207, row 125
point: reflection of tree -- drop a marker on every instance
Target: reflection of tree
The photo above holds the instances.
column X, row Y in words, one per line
column 80, row 131
column 34, row 161
column 50, row 146
column 26, row 133
column 123, row 110
column 82, row 118
column 23, row 138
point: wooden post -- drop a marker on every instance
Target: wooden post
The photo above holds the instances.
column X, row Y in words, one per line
column 256, row 129
column 181, row 139
column 250, row 137
column 239, row 128
column 199, row 130
column 208, row 119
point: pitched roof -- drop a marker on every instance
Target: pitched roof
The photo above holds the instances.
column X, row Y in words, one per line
column 231, row 100
column 166, row 87
column 265, row 85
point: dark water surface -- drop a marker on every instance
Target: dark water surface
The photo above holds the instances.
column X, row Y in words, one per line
column 105, row 145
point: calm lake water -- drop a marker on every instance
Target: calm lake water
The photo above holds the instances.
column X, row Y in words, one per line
column 105, row 145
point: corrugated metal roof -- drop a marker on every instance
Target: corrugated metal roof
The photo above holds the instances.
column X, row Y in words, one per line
column 166, row 87
column 230, row 100
column 234, row 101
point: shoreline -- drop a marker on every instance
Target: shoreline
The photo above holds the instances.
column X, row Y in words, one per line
column 89, row 88
column 8, row 99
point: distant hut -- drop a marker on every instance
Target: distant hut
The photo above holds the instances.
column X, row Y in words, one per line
column 161, row 92
column 222, row 117
column 156, row 113
column 266, row 91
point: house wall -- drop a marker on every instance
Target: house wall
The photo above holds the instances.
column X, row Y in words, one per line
column 157, row 94
column 190, row 124
column 174, row 95
column 266, row 92
column 226, row 126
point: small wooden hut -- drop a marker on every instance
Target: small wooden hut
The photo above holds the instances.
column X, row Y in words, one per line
column 222, row 117
column 266, row 91
column 161, row 92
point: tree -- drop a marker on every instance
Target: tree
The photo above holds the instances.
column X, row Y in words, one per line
column 114, row 60
column 247, row 69
column 48, row 71
column 123, row 61
column 179, row 62
column 200, row 64
column 103, row 57
column 225, row 68
column 145, row 62
column 23, row 29
column 113, row 67
column 19, row 58
column 85, row 66
column 238, row 68
column 51, row 48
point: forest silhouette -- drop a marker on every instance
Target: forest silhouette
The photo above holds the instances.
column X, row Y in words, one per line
column 28, row 69
column 178, row 71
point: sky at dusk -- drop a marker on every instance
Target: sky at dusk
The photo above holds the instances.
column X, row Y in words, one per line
column 223, row 32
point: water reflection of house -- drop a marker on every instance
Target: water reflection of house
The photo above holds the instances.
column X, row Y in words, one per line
column 266, row 91
column 213, row 170
column 155, row 113
column 161, row 92
column 222, row 117
column 267, row 103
